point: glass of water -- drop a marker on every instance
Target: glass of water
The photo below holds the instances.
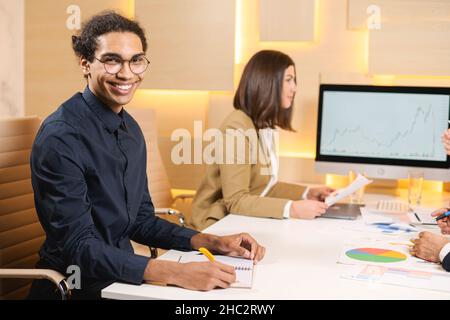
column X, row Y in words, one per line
column 415, row 187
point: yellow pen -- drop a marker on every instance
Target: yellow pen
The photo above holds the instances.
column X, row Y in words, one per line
column 208, row 254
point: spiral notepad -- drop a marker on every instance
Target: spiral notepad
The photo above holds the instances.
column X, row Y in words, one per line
column 243, row 267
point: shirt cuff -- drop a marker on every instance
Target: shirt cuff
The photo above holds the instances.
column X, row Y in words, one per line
column 444, row 251
column 305, row 194
column 287, row 210
column 134, row 268
column 183, row 239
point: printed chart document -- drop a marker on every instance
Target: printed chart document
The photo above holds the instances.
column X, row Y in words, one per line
column 244, row 268
column 399, row 276
column 359, row 183
column 387, row 253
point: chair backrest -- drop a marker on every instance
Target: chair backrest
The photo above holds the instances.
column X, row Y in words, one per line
column 21, row 234
column 158, row 180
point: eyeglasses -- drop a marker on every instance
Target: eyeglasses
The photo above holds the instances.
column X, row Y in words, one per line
column 113, row 65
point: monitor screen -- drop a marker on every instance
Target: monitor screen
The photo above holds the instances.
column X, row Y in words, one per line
column 399, row 126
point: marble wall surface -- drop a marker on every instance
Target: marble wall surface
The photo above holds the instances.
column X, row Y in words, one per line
column 11, row 58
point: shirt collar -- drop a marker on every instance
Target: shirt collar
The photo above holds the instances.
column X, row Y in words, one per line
column 110, row 119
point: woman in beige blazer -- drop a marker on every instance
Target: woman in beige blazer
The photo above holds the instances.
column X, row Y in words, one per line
column 245, row 178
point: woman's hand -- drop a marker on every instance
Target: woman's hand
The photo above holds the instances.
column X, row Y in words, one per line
column 307, row 209
column 319, row 193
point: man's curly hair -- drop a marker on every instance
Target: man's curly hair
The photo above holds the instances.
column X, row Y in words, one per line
column 85, row 44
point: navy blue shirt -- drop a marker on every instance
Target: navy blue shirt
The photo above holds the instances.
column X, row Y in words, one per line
column 89, row 178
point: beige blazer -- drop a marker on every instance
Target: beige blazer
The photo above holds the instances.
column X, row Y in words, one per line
column 236, row 188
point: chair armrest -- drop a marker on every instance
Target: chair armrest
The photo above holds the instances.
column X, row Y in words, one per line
column 172, row 212
column 58, row 279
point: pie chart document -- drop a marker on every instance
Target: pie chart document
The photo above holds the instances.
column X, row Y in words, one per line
column 391, row 253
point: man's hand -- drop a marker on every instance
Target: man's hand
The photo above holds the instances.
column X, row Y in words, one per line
column 443, row 223
column 238, row 245
column 428, row 246
column 319, row 193
column 202, row 276
column 205, row 276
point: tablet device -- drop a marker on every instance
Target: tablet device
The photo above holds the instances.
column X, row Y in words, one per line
column 346, row 211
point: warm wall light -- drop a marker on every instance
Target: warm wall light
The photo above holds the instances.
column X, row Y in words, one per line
column 239, row 38
column 383, row 80
column 336, row 181
column 130, row 9
column 176, row 192
column 366, row 53
column 423, row 77
column 316, row 21
column 303, row 155
column 434, row 186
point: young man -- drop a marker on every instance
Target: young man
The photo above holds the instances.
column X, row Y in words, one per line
column 89, row 178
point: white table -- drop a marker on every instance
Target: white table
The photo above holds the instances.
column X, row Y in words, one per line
column 300, row 263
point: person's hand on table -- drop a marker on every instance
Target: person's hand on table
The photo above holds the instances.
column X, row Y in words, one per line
column 319, row 193
column 307, row 209
column 443, row 223
column 200, row 276
column 428, row 246
column 237, row 245
column 205, row 276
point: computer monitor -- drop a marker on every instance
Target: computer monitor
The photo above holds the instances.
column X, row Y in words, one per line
column 383, row 131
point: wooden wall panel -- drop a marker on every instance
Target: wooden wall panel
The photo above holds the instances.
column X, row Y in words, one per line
column 52, row 74
column 357, row 14
column 410, row 50
column 12, row 58
column 220, row 106
column 288, row 20
column 412, row 38
column 191, row 43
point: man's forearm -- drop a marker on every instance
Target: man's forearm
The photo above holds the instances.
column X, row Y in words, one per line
column 162, row 271
column 205, row 240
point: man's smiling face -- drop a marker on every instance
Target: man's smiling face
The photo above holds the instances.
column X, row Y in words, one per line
column 115, row 90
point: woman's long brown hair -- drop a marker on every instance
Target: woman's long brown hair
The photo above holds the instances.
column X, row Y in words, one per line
column 259, row 91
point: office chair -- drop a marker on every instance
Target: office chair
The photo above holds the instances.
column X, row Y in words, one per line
column 21, row 234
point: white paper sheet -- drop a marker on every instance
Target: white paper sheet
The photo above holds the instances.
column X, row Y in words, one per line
column 422, row 215
column 405, row 277
column 341, row 194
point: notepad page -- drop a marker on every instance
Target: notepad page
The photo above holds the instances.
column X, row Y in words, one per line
column 243, row 267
